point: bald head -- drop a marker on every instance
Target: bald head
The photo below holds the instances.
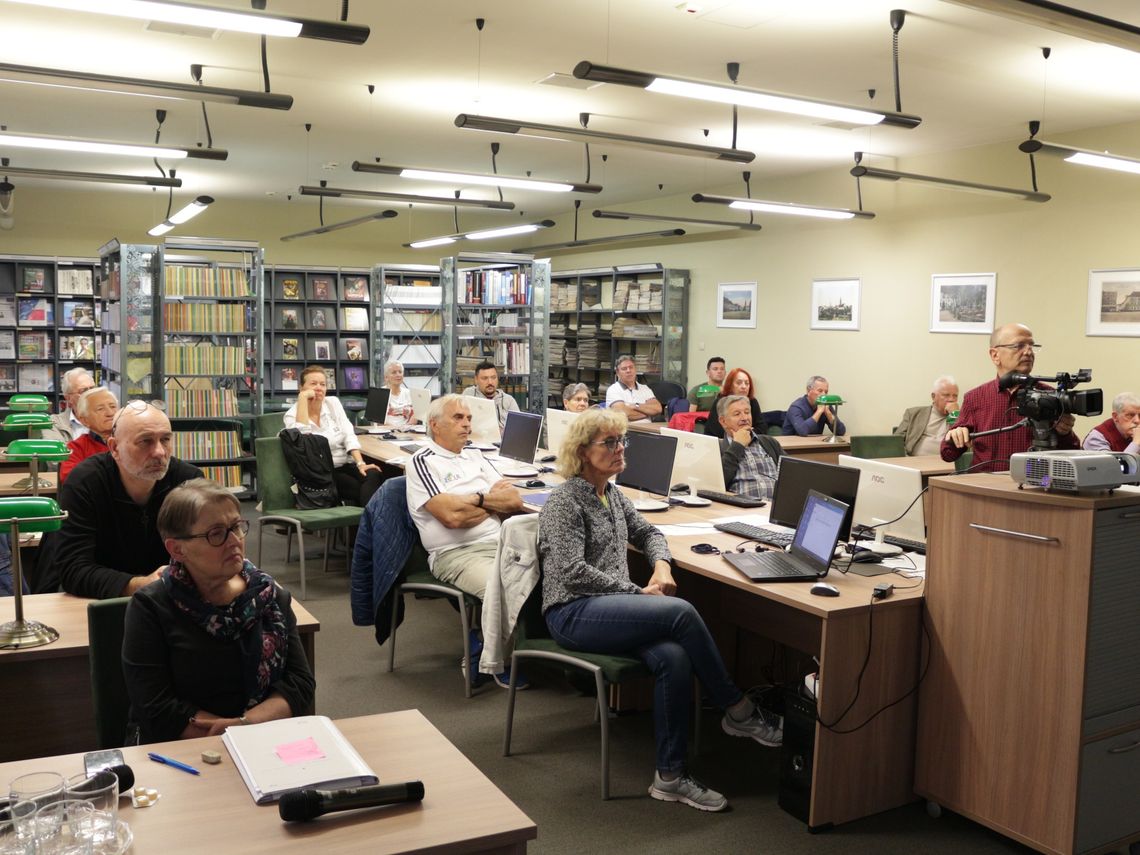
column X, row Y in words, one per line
column 141, row 441
column 1012, row 348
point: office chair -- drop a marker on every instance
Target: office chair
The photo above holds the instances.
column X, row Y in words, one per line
column 108, row 686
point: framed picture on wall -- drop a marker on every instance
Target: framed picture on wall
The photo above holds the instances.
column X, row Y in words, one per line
column 736, row 305
column 962, row 302
column 1114, row 303
column 835, row 304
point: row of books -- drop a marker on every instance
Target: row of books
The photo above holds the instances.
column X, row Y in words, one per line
column 413, row 321
column 41, row 345
column 68, row 280
column 353, row 288
column 635, row 328
column 201, row 403
column 227, row 476
column 205, row 282
column 27, row 378
column 321, row 349
column 207, row 444
column 41, row 312
column 427, row 294
column 322, row 318
column 630, row 295
column 495, row 287
column 208, row 359
column 204, row 317
column 354, row 378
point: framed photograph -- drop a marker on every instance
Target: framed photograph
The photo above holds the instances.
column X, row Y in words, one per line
column 354, row 349
column 962, row 302
column 289, row 379
column 320, row 288
column 322, row 349
column 356, row 289
column 355, row 319
column 354, row 377
column 77, row 314
column 736, row 305
column 36, row 312
column 319, row 318
column 290, row 289
column 835, row 304
column 1114, row 303
column 290, row 348
column 35, row 279
column 289, row 320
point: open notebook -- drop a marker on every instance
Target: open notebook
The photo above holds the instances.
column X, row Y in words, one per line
column 276, row 757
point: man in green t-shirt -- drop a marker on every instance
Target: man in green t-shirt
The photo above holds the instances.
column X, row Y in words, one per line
column 703, row 395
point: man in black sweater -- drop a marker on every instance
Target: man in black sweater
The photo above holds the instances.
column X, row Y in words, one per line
column 109, row 545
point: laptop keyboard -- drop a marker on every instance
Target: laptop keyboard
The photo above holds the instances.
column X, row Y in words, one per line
column 767, row 536
column 773, row 566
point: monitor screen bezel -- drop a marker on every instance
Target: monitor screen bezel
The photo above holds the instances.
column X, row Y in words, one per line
column 663, row 454
column 518, row 417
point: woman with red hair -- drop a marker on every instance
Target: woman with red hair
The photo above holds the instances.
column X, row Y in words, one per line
column 738, row 382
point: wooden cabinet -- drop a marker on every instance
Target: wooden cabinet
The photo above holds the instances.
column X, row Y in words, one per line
column 1029, row 716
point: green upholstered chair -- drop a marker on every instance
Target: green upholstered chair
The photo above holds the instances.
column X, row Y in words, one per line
column 887, row 445
column 274, row 481
column 964, row 462
column 108, row 686
column 269, row 424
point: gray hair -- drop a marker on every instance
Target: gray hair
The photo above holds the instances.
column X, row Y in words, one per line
column 727, row 401
column 390, row 364
column 71, row 376
column 622, row 360
column 1124, row 399
column 944, row 380
column 185, row 503
column 573, row 389
column 84, row 402
column 435, row 410
column 815, row 378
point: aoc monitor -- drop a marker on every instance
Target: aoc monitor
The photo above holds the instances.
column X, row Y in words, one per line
column 697, row 461
column 797, row 477
column 887, row 491
column 484, row 419
column 557, row 424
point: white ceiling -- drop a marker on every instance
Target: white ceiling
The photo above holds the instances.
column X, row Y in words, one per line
column 973, row 78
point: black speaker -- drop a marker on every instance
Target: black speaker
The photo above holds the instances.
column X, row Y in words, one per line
column 797, row 754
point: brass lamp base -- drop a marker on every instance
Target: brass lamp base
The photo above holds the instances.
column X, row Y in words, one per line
column 27, row 483
column 18, row 634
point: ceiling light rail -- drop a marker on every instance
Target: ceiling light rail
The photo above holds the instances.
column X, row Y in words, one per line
column 600, row 241
column 861, row 171
column 1083, row 156
column 410, row 198
column 57, row 143
column 789, row 208
column 669, row 218
column 480, row 234
column 480, row 178
column 184, row 215
column 96, row 177
column 345, row 224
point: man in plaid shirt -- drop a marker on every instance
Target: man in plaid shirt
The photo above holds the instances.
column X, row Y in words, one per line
column 986, row 407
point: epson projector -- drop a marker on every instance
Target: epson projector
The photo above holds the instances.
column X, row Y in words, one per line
column 1075, row 471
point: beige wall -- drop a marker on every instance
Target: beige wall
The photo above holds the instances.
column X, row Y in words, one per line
column 1041, row 254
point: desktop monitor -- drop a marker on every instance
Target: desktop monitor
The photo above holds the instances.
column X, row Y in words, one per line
column 798, row 476
column 376, row 407
column 421, row 400
column 484, row 419
column 520, row 436
column 697, row 461
column 557, row 424
column 648, row 462
column 886, row 490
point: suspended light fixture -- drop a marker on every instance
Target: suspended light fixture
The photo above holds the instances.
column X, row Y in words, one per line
column 560, row 132
column 668, row 218
column 789, row 208
column 755, row 98
column 213, row 18
column 484, row 234
column 179, row 217
column 98, row 177
column 332, row 227
column 861, row 171
column 1084, row 157
column 481, row 178
column 54, row 143
column 411, row 198
column 92, row 82
column 1062, row 19
column 599, row 241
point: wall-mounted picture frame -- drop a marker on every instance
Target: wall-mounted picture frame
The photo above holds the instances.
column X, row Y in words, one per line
column 835, row 304
column 962, row 302
column 1114, row 303
column 736, row 305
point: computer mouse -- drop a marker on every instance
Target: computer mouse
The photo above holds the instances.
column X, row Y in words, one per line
column 550, row 458
column 866, row 556
column 679, row 488
column 823, row 589
column 534, row 483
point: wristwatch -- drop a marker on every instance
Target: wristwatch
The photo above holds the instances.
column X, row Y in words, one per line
column 481, row 498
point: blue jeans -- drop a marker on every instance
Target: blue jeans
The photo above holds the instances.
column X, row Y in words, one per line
column 665, row 633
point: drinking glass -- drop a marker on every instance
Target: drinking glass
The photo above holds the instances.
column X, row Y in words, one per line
column 38, row 788
column 64, row 828
column 11, row 843
column 101, row 790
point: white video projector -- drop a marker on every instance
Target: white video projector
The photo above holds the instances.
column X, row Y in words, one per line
column 1075, row 471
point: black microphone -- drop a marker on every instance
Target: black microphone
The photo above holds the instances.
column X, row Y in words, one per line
column 123, row 772
column 303, row 805
column 1011, row 379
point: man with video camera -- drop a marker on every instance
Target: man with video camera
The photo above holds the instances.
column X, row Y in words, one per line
column 990, row 407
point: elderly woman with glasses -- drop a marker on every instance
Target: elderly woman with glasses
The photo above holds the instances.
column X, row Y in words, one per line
column 213, row 642
column 591, row 604
column 95, row 410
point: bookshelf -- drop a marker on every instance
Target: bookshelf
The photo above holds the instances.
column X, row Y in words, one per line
column 409, row 323
column 48, row 323
column 496, row 306
column 318, row 315
column 601, row 313
column 127, row 273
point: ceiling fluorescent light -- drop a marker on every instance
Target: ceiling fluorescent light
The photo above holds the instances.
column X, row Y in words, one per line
column 485, row 234
column 139, row 86
column 437, row 241
column 481, row 178
column 598, row 241
column 1082, row 156
column 179, row 217
column 783, row 208
column 52, row 143
column 1062, row 19
column 332, row 227
column 754, row 98
column 559, row 132
column 98, row 177
column 213, row 18
column 668, row 218
column 344, row 192
column 860, row 171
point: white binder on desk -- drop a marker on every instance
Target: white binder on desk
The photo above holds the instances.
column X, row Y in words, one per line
column 277, row 757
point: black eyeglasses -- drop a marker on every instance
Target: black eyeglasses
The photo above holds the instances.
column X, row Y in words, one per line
column 612, row 443
column 219, row 533
column 1020, row 346
column 704, row 549
column 136, row 406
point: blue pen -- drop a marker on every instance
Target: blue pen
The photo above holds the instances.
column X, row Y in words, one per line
column 158, row 758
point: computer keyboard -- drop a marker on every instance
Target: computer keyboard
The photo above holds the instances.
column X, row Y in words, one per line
column 767, row 536
column 908, row 545
column 731, row 499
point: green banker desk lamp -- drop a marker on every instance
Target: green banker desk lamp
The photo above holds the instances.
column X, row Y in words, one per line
column 831, row 401
column 32, row 513
column 32, row 415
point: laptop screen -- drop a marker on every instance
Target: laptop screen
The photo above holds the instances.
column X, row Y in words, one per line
column 648, row 462
column 376, row 407
column 818, row 529
column 798, row 476
column 520, row 436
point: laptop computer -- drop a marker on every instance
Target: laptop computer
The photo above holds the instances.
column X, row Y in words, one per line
column 376, row 406
column 698, row 460
column 809, row 556
column 648, row 467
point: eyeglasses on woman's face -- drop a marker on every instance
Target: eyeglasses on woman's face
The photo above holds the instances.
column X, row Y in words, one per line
column 219, row 534
column 612, row 443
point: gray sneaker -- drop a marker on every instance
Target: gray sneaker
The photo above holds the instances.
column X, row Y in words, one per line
column 761, row 726
column 687, row 790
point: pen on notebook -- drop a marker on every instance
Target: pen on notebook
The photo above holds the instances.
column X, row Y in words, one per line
column 168, row 761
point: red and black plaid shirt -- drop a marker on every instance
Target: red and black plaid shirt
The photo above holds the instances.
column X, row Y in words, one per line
column 985, row 408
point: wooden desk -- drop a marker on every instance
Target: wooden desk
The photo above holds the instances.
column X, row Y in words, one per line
column 929, row 465
column 816, row 448
column 462, row 810
column 47, row 690
column 7, row 479
column 647, row 426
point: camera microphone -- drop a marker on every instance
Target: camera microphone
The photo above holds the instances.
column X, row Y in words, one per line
column 123, row 772
column 1011, row 379
column 307, row 804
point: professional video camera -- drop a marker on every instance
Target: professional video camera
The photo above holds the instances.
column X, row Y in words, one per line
column 1042, row 407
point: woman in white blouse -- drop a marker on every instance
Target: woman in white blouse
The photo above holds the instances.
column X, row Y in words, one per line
column 400, row 411
column 314, row 412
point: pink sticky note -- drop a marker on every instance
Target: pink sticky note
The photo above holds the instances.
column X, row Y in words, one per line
column 301, row 751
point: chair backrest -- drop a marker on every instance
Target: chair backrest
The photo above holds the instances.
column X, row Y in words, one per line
column 666, row 391
column 964, row 462
column 108, row 686
column 677, row 405
column 274, row 480
column 270, row 424
column 775, row 421
column 887, row 445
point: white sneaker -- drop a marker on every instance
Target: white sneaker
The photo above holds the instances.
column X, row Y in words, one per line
column 761, row 726
column 687, row 790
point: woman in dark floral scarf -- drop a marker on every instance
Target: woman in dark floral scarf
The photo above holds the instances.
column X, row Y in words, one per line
column 213, row 643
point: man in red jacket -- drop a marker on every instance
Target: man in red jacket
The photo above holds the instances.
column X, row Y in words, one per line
column 1119, row 432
